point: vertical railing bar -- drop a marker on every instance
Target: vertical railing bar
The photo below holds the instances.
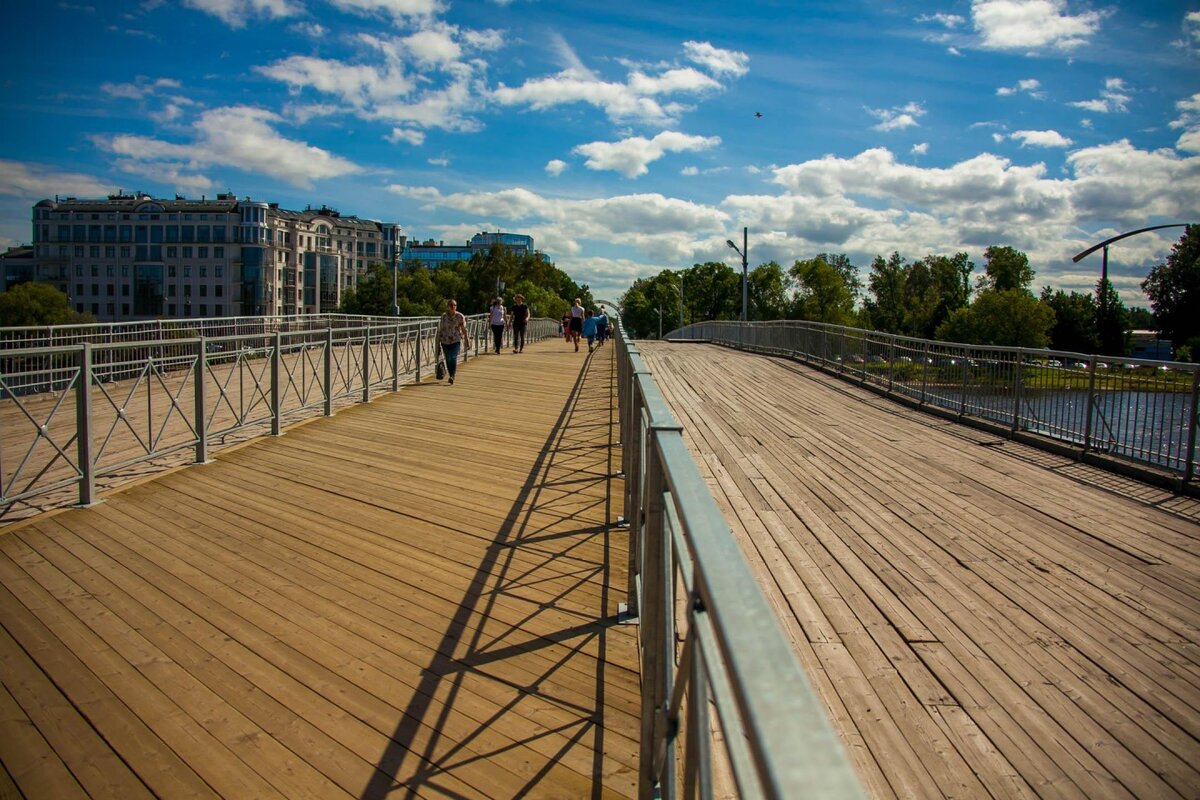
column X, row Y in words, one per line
column 276, row 402
column 1193, row 422
column 329, row 371
column 83, row 427
column 201, row 418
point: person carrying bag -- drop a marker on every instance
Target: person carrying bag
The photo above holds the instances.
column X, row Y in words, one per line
column 451, row 336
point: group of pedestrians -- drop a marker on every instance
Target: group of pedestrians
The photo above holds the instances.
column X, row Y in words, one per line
column 452, row 332
column 579, row 323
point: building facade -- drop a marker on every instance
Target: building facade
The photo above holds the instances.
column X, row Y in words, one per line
column 132, row 257
column 432, row 253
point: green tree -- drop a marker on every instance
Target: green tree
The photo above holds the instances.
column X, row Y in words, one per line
column 1074, row 328
column 33, row 304
column 768, row 292
column 823, row 293
column 1174, row 290
column 885, row 305
column 1009, row 317
column 1140, row 319
column 1005, row 269
column 372, row 296
column 1112, row 321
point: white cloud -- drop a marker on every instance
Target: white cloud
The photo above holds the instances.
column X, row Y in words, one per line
column 556, row 167
column 1113, row 98
column 631, row 156
column 33, row 182
column 954, row 51
column 898, row 118
column 239, row 136
column 997, row 137
column 313, row 30
column 1032, row 25
column 947, row 20
column 236, row 13
column 1041, row 139
column 642, row 97
column 397, row 9
column 1030, row 86
column 434, row 46
column 920, row 149
column 141, row 87
column 415, row 138
column 1189, row 121
column 439, row 162
column 716, row 60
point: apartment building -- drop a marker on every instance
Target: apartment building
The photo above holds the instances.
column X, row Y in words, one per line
column 134, row 256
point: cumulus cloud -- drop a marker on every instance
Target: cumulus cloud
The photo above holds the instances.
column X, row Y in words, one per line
column 1041, row 139
column 556, row 167
column 32, row 182
column 716, row 60
column 642, row 97
column 239, row 136
column 415, row 138
column 1189, row 121
column 630, row 157
column 920, row 149
column 1113, row 98
column 898, row 118
column 141, row 87
column 1032, row 25
column 236, row 13
column 313, row 30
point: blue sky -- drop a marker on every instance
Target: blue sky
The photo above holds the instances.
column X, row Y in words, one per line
column 623, row 135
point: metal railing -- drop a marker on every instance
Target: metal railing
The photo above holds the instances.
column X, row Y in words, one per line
column 71, row 414
column 708, row 636
column 1138, row 411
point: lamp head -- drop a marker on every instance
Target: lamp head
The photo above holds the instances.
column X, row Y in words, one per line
column 731, row 244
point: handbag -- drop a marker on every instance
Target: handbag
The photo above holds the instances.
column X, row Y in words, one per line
column 440, row 369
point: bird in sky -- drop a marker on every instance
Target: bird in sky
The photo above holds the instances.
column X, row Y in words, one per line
column 758, row 114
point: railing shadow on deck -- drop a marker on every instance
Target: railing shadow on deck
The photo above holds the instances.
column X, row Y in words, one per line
column 569, row 460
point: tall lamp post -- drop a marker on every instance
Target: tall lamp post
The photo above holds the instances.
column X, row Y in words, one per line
column 681, row 299
column 742, row 252
column 395, row 275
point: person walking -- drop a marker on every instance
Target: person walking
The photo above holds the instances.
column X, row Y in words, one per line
column 452, row 335
column 589, row 329
column 576, row 322
column 519, row 315
column 497, row 320
column 601, row 326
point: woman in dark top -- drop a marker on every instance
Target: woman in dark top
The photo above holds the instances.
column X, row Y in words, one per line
column 520, row 316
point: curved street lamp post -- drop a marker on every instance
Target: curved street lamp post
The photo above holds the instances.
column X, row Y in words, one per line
column 742, row 252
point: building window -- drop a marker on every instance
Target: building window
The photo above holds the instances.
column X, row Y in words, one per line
column 78, row 290
column 95, row 290
column 95, row 309
column 170, row 270
column 204, row 290
column 218, row 291
column 95, row 271
column 94, row 251
column 187, row 252
column 171, row 251
column 124, row 270
column 124, row 309
column 204, row 309
column 125, row 291
column 109, row 270
column 110, row 251
column 111, row 309
column 220, row 271
column 111, row 290
column 220, row 310
column 79, row 270
column 218, row 252
column 125, row 251
column 170, row 290
column 171, row 310
column 79, row 251
column 202, row 252
column 187, row 271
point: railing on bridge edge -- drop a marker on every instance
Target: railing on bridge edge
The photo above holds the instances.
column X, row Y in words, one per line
column 1143, row 413
column 683, row 558
column 76, row 400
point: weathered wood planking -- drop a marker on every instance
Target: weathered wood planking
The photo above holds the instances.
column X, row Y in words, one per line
column 415, row 597
column 980, row 617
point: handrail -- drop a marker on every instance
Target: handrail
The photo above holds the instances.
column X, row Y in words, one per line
column 1142, row 413
column 73, row 413
column 720, row 642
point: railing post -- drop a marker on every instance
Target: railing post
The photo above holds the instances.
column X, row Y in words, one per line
column 924, row 371
column 396, row 358
column 654, row 668
column 1018, row 385
column 329, row 371
column 1087, row 420
column 891, row 362
column 276, row 400
column 962, row 400
column 83, row 426
column 201, row 421
column 1189, row 470
column 366, row 364
column 417, row 355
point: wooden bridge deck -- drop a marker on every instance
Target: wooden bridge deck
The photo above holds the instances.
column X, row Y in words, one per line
column 411, row 598
column 982, row 619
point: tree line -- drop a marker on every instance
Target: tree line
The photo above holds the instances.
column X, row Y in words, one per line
column 934, row 298
column 421, row 291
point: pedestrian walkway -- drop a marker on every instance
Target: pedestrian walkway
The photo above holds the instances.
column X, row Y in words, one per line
column 413, row 598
